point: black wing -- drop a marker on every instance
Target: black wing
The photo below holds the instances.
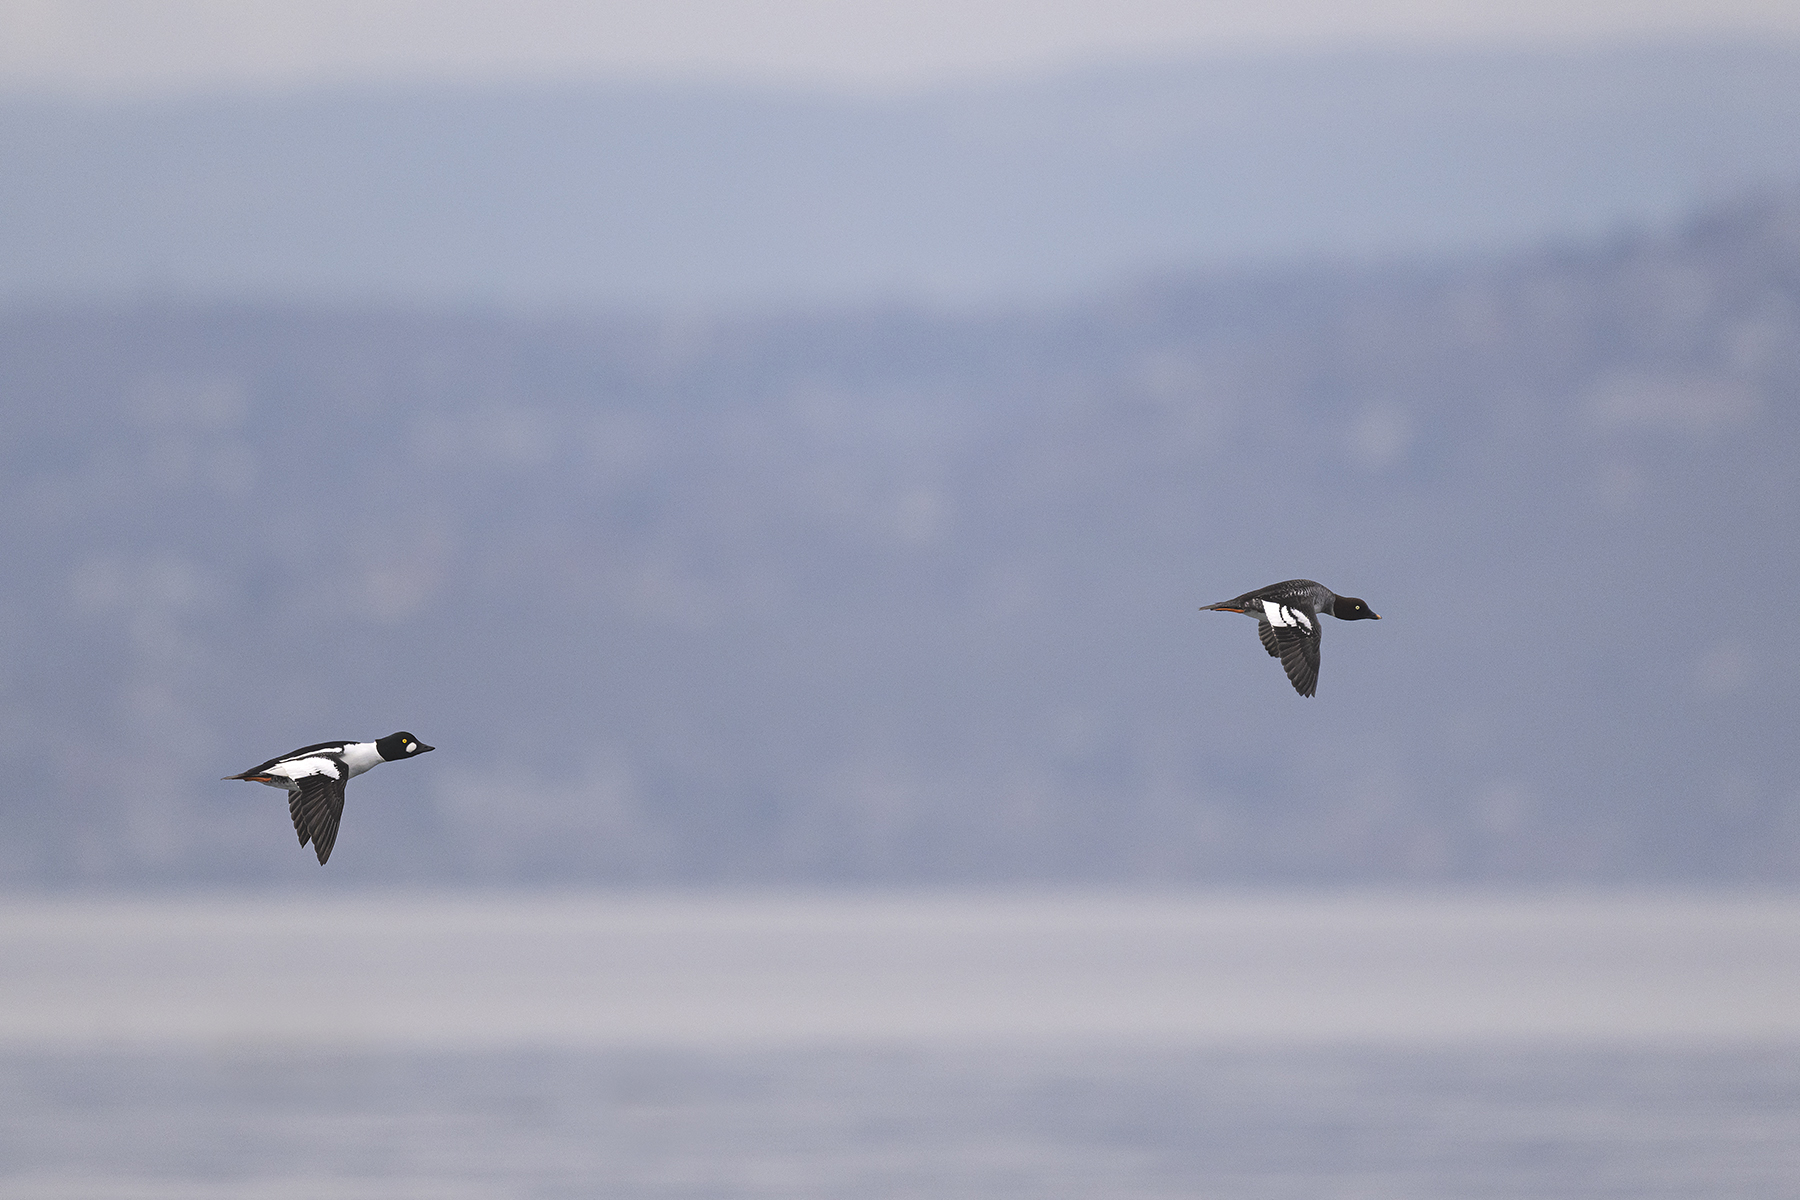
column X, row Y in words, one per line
column 1299, row 658
column 1295, row 641
column 317, row 807
column 1267, row 634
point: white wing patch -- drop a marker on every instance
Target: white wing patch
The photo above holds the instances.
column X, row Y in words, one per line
column 1281, row 616
column 300, row 768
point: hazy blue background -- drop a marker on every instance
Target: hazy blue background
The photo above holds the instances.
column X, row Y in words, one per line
column 750, row 194
column 704, row 579
column 776, row 452
column 886, row 594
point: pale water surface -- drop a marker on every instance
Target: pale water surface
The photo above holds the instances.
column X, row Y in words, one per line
column 901, row 1046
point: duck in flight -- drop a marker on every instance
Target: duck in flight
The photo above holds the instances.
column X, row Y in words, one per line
column 1287, row 619
column 314, row 777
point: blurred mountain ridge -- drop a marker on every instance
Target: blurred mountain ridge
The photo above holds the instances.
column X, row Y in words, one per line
column 895, row 595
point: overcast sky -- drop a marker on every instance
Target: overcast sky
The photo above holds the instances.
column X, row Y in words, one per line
column 132, row 46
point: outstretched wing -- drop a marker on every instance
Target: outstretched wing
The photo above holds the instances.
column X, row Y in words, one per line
column 316, row 807
column 1270, row 642
column 1292, row 636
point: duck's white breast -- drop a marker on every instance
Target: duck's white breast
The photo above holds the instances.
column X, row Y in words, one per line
column 360, row 756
